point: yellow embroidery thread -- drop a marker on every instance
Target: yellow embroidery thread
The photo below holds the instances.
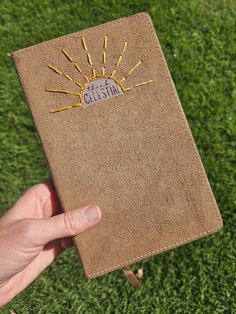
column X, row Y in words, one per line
column 139, row 84
column 60, row 73
column 80, row 85
column 61, row 91
column 104, row 55
column 55, row 69
column 66, row 108
column 85, row 76
column 94, row 75
column 84, row 44
column 68, row 77
column 75, row 63
column 120, row 58
column 67, row 55
column 89, row 59
column 57, row 91
column 128, row 74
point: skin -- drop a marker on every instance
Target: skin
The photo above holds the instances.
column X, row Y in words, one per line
column 33, row 233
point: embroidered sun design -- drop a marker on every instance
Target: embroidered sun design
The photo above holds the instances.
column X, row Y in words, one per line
column 98, row 86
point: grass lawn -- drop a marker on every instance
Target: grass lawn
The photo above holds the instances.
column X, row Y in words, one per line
column 198, row 39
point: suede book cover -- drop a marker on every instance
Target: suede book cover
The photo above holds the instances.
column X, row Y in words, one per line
column 114, row 134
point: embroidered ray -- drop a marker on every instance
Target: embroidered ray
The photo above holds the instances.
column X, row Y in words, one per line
column 131, row 71
column 61, row 91
column 120, row 58
column 75, row 64
column 139, row 84
column 104, row 54
column 66, row 107
column 89, row 59
column 62, row 74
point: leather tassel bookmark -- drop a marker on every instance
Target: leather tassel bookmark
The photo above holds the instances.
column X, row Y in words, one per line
column 131, row 277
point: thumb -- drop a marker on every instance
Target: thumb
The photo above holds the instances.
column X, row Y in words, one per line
column 64, row 225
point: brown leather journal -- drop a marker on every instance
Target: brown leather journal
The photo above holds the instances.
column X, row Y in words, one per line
column 114, row 133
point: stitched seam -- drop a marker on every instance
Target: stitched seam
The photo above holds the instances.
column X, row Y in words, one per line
column 164, row 248
column 181, row 114
column 184, row 120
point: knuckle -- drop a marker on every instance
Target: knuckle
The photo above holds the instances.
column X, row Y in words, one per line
column 70, row 223
column 38, row 190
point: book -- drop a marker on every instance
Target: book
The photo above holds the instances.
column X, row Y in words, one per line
column 114, row 134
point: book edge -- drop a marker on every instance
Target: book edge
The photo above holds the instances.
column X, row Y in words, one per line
column 155, row 252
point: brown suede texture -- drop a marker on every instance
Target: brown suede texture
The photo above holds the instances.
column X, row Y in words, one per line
column 132, row 155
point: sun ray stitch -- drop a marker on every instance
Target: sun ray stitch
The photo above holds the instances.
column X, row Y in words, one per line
column 89, row 59
column 104, row 55
column 98, row 84
column 61, row 73
column 125, row 77
column 120, row 58
column 61, row 91
column 65, row 108
column 75, row 64
column 139, row 84
column 57, row 91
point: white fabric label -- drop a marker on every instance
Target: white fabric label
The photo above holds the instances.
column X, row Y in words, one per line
column 100, row 89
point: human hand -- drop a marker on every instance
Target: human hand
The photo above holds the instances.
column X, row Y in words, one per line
column 33, row 233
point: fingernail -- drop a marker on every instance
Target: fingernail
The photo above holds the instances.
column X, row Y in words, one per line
column 92, row 213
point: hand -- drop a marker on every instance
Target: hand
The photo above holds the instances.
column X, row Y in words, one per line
column 30, row 239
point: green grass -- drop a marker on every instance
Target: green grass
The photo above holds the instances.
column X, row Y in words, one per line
column 198, row 39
